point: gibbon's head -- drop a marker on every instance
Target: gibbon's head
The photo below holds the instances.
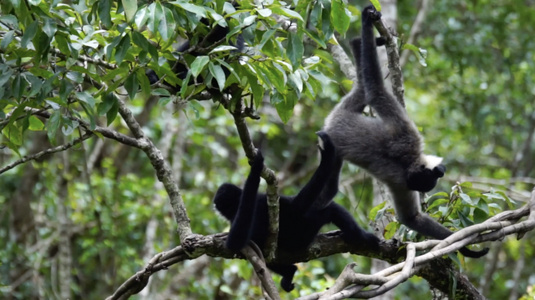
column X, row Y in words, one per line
column 227, row 199
column 424, row 176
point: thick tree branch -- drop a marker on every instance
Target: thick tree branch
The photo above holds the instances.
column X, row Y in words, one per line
column 425, row 265
column 162, row 169
column 255, row 257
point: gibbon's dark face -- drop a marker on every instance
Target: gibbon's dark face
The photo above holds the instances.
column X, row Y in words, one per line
column 425, row 179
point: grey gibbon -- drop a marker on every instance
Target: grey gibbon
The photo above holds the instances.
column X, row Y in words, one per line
column 389, row 147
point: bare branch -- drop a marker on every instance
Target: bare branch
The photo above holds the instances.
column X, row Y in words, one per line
column 254, row 256
column 415, row 29
column 162, row 169
column 47, row 151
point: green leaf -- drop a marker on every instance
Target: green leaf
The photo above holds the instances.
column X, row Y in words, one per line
column 223, row 48
column 29, row 34
column 143, row 82
column 50, row 27
column 339, row 16
column 18, row 87
column 376, row 4
column 35, row 84
column 391, row 229
column 131, row 85
column 466, row 199
column 166, row 28
column 62, row 43
column 53, row 124
column 286, row 12
column 5, row 76
column 112, row 112
column 465, row 221
column 373, row 212
column 142, row 16
column 155, row 14
column 438, row 202
column 86, row 98
column 122, row 48
column 130, row 8
column 13, row 133
column 256, row 88
column 266, row 37
column 295, row 49
column 198, row 10
column 218, row 74
column 266, row 12
column 104, row 8
column 107, row 102
column 284, row 105
column 140, row 40
column 35, row 124
column 65, row 89
column 6, row 40
column 198, row 65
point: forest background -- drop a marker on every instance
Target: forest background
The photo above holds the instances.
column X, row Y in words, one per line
column 77, row 223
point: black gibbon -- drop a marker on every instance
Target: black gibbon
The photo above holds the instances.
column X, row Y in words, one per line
column 299, row 220
column 389, row 147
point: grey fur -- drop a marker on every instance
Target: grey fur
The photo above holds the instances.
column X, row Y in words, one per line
column 389, row 146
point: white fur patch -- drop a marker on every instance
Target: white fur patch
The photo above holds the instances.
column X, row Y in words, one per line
column 320, row 144
column 432, row 161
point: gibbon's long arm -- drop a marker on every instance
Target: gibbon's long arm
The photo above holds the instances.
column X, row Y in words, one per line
column 241, row 228
column 394, row 117
column 305, row 199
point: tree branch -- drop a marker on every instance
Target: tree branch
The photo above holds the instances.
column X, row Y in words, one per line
column 268, row 175
column 396, row 76
column 330, row 243
column 40, row 154
column 162, row 169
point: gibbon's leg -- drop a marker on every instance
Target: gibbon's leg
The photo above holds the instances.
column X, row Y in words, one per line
column 352, row 233
column 242, row 226
column 287, row 272
column 305, row 199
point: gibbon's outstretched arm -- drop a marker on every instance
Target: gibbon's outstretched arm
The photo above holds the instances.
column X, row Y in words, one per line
column 305, row 199
column 241, row 235
column 405, row 145
column 300, row 219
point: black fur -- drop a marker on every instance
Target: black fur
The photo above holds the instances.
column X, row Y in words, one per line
column 299, row 220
